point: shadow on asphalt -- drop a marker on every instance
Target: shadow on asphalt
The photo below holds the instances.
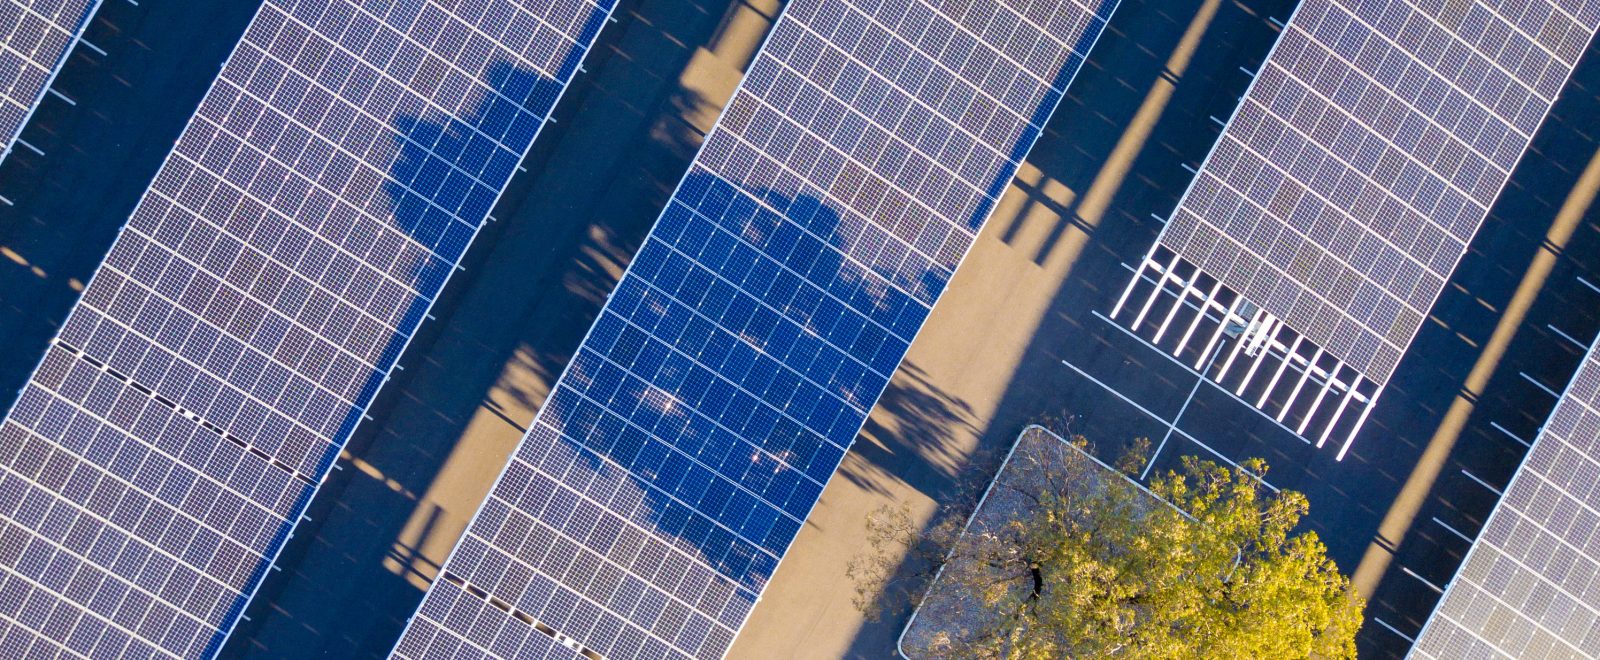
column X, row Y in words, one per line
column 595, row 184
column 507, row 325
column 905, row 441
column 1349, row 498
column 100, row 155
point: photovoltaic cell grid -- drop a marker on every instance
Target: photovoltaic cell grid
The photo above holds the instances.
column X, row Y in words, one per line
column 1530, row 585
column 246, row 314
column 35, row 37
column 1365, row 156
column 680, row 452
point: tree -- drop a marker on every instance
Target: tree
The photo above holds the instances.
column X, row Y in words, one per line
column 1068, row 558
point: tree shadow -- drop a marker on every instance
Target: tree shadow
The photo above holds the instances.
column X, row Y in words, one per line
column 356, row 570
column 697, row 423
column 914, row 418
column 449, row 165
column 1072, row 156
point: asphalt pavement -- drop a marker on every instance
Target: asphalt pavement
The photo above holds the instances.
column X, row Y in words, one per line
column 1018, row 337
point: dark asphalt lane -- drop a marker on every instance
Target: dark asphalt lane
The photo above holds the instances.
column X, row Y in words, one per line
column 989, row 363
column 99, row 156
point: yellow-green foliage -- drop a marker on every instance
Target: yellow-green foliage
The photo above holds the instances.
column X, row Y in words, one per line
column 1100, row 572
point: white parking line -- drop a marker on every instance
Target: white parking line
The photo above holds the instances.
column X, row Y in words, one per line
column 1421, row 579
column 1453, row 530
column 1538, row 384
column 1193, row 372
column 1509, row 434
column 1566, row 336
column 1171, row 426
column 1174, row 425
column 1394, row 630
column 1483, row 483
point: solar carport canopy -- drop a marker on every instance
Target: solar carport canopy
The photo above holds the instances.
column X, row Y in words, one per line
column 1528, row 587
column 35, row 39
column 288, row 248
column 1366, row 154
column 678, row 455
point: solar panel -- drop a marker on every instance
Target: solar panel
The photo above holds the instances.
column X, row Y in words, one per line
column 680, row 452
column 1525, row 589
column 264, row 287
column 35, row 37
column 1362, row 161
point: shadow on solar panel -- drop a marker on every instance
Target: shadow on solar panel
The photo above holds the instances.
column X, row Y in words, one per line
column 677, row 458
column 679, row 454
column 715, row 319
column 249, row 311
column 444, row 178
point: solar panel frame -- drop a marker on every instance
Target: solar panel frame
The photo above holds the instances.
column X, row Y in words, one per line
column 1379, row 356
column 30, row 104
column 1524, row 585
column 606, row 7
column 454, row 588
column 597, row 13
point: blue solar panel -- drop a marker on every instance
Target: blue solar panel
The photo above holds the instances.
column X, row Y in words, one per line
column 257, row 298
column 35, row 38
column 680, row 452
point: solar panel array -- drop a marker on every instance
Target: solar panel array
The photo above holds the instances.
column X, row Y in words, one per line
column 1530, row 585
column 1365, row 156
column 35, row 37
column 682, row 449
column 260, row 293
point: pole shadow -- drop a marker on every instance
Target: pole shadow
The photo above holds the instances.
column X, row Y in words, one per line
column 426, row 409
column 446, row 174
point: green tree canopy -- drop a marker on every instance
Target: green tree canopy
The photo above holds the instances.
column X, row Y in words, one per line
column 1067, row 558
